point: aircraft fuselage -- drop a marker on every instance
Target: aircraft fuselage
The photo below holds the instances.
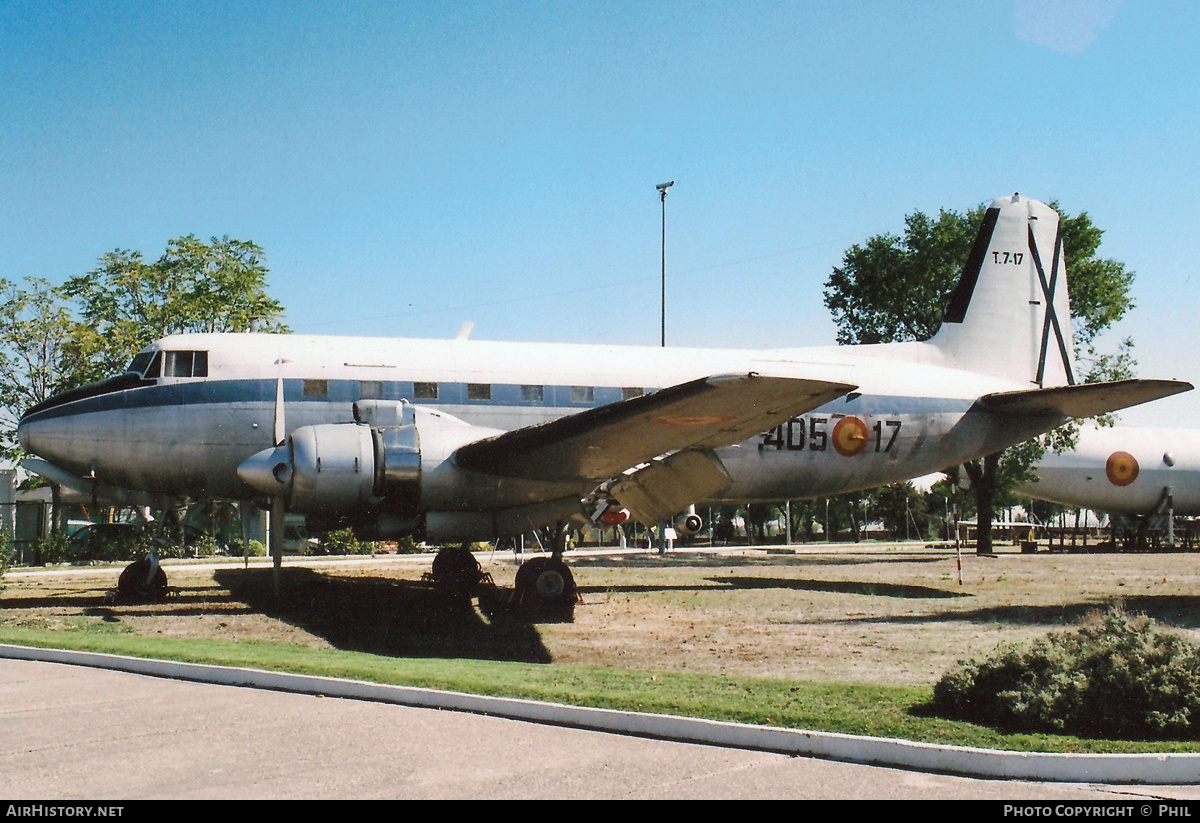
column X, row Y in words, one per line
column 184, row 433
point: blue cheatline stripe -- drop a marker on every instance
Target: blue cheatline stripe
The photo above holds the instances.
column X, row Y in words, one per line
column 344, row 392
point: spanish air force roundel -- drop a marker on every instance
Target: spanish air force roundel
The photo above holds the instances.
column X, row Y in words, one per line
column 849, row 436
column 1121, row 468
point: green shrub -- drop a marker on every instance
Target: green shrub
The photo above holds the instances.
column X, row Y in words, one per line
column 7, row 552
column 206, row 546
column 1117, row 676
column 54, row 548
column 343, row 541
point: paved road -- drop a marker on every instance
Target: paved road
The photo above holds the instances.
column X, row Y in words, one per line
column 77, row 733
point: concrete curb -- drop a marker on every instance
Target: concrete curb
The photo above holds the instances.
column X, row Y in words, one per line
column 1159, row 769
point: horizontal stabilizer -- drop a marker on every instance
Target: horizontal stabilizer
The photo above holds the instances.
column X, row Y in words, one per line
column 602, row 442
column 1085, row 400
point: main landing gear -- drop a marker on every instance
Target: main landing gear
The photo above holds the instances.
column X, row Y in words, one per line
column 455, row 568
column 546, row 583
column 142, row 581
column 543, row 584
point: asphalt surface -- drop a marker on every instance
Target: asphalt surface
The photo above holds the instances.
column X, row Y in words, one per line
column 72, row 732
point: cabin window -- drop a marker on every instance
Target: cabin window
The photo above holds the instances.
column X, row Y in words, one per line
column 479, row 391
column 533, row 394
column 370, row 389
column 425, row 391
column 582, row 394
column 185, row 364
column 316, row 388
column 630, row 393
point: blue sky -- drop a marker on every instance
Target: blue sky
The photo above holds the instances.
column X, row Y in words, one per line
column 410, row 166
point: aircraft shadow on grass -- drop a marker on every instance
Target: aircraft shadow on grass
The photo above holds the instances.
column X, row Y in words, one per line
column 872, row 589
column 85, row 601
column 1179, row 611
column 399, row 618
column 652, row 560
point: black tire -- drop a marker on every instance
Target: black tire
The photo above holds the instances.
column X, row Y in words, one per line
column 544, row 581
column 132, row 584
column 456, row 567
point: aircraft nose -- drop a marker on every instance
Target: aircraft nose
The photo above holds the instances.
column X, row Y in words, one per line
column 64, row 439
column 27, row 435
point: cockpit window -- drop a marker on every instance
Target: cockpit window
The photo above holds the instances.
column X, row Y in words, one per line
column 139, row 362
column 178, row 364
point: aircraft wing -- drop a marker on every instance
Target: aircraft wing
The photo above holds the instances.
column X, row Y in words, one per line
column 600, row 443
column 1084, row 400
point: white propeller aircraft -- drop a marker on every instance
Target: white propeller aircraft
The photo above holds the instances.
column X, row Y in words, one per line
column 1134, row 472
column 463, row 440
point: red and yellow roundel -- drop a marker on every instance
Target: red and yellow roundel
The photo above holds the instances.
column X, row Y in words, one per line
column 849, row 436
column 1121, row 468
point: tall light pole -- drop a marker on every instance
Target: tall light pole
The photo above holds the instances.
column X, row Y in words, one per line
column 662, row 196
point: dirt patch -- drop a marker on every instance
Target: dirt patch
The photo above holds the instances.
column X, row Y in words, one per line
column 880, row 615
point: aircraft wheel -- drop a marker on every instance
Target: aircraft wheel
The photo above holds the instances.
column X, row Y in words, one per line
column 132, row 584
column 455, row 566
column 544, row 581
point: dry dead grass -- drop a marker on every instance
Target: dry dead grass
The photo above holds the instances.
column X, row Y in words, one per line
column 894, row 615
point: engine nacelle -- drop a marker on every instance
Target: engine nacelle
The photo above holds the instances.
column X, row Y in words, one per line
column 370, row 474
column 349, row 466
column 332, row 468
column 339, row 467
column 689, row 523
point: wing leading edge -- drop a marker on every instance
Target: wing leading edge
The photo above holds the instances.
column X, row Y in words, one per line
column 601, row 443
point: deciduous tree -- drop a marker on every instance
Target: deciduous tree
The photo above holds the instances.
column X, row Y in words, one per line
column 37, row 358
column 126, row 302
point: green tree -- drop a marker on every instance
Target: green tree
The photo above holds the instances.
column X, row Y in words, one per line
column 895, row 288
column 194, row 287
column 49, row 345
column 850, row 512
column 901, row 509
column 37, row 358
column 946, row 503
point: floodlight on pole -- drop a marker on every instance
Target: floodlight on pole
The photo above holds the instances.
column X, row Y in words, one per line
column 662, row 196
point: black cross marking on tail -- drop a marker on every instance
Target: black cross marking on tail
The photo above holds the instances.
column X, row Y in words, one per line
column 1051, row 320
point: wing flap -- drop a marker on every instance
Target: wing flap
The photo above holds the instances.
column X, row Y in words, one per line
column 656, row 492
column 1083, row 400
column 602, row 442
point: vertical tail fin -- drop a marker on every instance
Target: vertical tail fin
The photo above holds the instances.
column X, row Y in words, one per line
column 1010, row 315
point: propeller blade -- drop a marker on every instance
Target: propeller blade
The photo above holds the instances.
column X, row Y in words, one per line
column 280, row 430
column 278, row 514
